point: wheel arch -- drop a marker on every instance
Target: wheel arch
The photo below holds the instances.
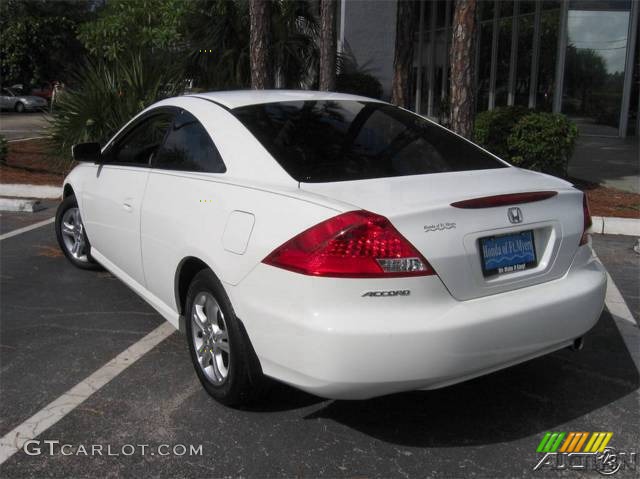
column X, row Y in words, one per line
column 67, row 191
column 185, row 272
column 187, row 269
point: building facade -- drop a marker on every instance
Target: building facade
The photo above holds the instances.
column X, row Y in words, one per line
column 576, row 57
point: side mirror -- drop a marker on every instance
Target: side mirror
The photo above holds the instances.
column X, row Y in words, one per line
column 87, row 152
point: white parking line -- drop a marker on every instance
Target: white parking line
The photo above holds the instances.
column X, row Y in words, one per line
column 26, row 228
column 25, row 139
column 13, row 441
column 616, row 303
column 624, row 320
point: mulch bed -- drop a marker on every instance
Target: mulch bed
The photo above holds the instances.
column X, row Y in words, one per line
column 604, row 201
column 30, row 162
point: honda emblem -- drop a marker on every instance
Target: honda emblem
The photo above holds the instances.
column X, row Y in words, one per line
column 515, row 215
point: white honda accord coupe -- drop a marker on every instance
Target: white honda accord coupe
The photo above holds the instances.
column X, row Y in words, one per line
column 335, row 243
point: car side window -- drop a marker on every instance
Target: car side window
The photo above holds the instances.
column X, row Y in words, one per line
column 142, row 141
column 188, row 147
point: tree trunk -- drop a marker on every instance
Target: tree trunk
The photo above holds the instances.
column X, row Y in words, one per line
column 327, row 45
column 462, row 67
column 259, row 44
column 403, row 58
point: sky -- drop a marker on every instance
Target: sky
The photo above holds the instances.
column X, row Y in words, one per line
column 602, row 31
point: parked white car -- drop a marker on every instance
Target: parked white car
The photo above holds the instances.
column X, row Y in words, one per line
column 336, row 243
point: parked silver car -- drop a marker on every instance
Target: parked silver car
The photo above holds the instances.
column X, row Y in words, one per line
column 12, row 100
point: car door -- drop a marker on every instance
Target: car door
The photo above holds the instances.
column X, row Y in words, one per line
column 175, row 199
column 112, row 197
column 6, row 99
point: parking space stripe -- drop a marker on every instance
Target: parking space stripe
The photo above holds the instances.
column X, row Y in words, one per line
column 24, row 139
column 616, row 304
column 13, row 441
column 10, row 234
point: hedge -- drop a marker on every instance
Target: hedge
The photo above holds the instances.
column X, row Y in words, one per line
column 533, row 140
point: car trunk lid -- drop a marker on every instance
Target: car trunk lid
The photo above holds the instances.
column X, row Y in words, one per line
column 449, row 237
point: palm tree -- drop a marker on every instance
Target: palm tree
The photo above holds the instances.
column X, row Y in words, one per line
column 294, row 47
column 403, row 58
column 218, row 34
column 223, row 27
column 327, row 45
column 462, row 63
column 260, row 43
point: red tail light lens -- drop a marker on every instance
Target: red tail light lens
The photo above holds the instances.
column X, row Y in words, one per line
column 357, row 244
column 586, row 213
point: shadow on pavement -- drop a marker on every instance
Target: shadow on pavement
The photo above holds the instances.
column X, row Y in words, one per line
column 523, row 400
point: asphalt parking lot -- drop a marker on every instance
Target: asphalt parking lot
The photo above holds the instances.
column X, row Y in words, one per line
column 59, row 325
column 15, row 126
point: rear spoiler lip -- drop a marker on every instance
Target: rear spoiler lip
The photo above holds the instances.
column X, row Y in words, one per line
column 504, row 200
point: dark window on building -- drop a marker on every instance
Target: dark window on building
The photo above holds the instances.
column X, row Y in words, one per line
column 526, row 24
column 189, row 147
column 141, row 142
column 324, row 141
column 505, row 26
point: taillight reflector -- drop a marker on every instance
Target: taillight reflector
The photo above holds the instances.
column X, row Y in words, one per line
column 505, row 200
column 357, row 244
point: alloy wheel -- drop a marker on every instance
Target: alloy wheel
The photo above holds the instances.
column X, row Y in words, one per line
column 73, row 235
column 210, row 338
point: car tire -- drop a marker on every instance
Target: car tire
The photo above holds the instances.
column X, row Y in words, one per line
column 19, row 108
column 219, row 346
column 72, row 236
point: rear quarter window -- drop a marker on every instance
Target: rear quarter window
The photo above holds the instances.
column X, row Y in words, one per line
column 327, row 141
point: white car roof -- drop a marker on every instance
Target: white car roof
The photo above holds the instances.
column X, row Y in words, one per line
column 238, row 98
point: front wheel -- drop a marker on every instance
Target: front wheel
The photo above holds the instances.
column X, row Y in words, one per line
column 19, row 107
column 220, row 349
column 71, row 235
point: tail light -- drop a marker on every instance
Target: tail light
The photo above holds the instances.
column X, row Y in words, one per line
column 357, row 244
column 586, row 214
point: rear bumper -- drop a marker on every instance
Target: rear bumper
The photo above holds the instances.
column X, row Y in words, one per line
column 326, row 339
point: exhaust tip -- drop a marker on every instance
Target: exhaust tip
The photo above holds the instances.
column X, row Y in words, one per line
column 578, row 344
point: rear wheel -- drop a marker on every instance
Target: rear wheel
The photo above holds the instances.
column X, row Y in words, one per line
column 220, row 349
column 19, row 107
column 71, row 235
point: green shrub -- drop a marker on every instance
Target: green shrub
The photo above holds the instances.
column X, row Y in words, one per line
column 543, row 142
column 536, row 141
column 493, row 127
column 359, row 83
column 107, row 95
column 4, row 149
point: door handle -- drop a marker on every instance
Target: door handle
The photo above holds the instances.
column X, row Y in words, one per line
column 127, row 204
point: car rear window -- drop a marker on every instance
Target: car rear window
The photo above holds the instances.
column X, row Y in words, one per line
column 326, row 141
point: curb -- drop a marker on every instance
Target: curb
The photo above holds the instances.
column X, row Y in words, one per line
column 610, row 225
column 30, row 191
column 20, row 204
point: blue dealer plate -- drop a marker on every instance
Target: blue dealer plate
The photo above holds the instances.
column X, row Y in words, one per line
column 508, row 253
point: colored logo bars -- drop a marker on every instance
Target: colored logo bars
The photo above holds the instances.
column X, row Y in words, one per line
column 574, row 442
